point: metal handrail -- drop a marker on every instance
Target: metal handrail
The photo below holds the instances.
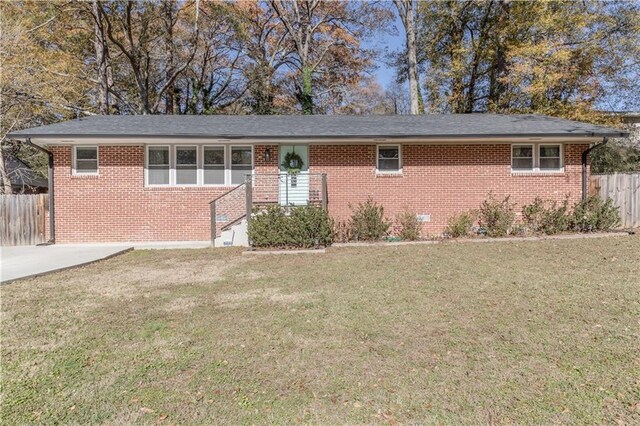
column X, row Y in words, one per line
column 227, row 193
column 248, row 185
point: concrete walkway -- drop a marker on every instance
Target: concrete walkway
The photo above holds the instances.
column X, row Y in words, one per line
column 29, row 261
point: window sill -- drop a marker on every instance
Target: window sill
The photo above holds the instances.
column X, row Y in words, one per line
column 537, row 172
column 389, row 174
column 189, row 188
column 85, row 176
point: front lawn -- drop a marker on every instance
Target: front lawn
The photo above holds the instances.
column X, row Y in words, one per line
column 509, row 332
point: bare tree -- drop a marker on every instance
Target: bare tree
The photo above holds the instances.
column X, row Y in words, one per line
column 406, row 12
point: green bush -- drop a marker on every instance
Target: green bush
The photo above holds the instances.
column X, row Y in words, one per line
column 496, row 218
column 410, row 226
column 303, row 227
column 540, row 219
column 368, row 222
column 594, row 214
column 459, row 226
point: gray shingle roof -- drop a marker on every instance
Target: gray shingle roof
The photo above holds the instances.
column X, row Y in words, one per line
column 318, row 126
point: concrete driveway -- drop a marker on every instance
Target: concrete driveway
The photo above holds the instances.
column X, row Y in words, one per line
column 29, row 261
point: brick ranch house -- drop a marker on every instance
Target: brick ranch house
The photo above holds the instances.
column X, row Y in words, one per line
column 153, row 178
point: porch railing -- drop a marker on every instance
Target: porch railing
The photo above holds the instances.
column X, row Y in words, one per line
column 263, row 189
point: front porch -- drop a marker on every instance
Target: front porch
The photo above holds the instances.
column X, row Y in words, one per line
column 231, row 212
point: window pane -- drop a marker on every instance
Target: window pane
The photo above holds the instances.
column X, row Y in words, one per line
column 389, row 158
column 549, row 163
column 241, row 156
column 186, row 175
column 86, row 166
column 186, row 156
column 388, row 152
column 87, row 153
column 522, row 164
column 389, row 165
column 158, row 175
column 214, row 155
column 240, row 164
column 239, row 173
column 159, row 155
column 523, row 151
column 549, row 151
column 214, row 175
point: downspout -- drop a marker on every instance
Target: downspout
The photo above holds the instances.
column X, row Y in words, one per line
column 52, row 222
column 585, row 158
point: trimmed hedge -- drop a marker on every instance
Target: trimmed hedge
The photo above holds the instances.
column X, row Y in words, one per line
column 295, row 227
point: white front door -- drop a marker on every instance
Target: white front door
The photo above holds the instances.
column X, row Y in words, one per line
column 294, row 188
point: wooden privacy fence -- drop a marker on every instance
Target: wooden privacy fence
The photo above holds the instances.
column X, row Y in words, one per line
column 624, row 190
column 23, row 219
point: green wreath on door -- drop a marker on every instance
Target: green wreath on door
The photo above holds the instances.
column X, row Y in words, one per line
column 292, row 163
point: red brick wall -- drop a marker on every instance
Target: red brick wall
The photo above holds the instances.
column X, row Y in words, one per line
column 116, row 206
column 438, row 180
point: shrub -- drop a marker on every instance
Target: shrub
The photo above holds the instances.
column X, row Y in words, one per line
column 368, row 222
column 410, row 226
column 267, row 227
column 594, row 214
column 496, row 217
column 310, row 226
column 546, row 220
column 341, row 231
column 303, row 227
column 459, row 226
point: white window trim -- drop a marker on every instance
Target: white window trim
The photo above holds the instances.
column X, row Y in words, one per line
column 199, row 162
column 536, row 158
column 74, row 159
column 389, row 172
column 173, row 170
column 146, row 167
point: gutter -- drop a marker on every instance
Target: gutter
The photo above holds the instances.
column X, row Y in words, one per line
column 52, row 222
column 585, row 158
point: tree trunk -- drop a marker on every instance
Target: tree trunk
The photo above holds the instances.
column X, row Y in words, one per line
column 170, row 48
column 306, row 94
column 5, row 188
column 405, row 10
column 102, row 57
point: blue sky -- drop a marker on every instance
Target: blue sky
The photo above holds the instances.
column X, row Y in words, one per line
column 389, row 42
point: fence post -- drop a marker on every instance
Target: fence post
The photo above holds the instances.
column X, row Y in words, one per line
column 249, row 195
column 214, row 231
column 286, row 190
column 324, row 191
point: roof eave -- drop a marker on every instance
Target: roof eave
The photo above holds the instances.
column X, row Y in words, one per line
column 619, row 134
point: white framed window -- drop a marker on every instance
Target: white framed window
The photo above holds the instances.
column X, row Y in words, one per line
column 85, row 160
column 213, row 161
column 158, row 165
column 543, row 157
column 388, row 159
column 241, row 163
column 522, row 157
column 550, row 156
column 196, row 165
column 186, row 157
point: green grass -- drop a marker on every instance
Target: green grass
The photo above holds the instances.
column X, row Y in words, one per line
column 513, row 332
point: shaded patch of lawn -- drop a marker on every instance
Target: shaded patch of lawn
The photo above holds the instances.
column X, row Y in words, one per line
column 526, row 332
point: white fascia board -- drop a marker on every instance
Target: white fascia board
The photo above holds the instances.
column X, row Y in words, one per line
column 315, row 141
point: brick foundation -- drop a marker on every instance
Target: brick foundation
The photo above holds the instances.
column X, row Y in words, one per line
column 439, row 180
